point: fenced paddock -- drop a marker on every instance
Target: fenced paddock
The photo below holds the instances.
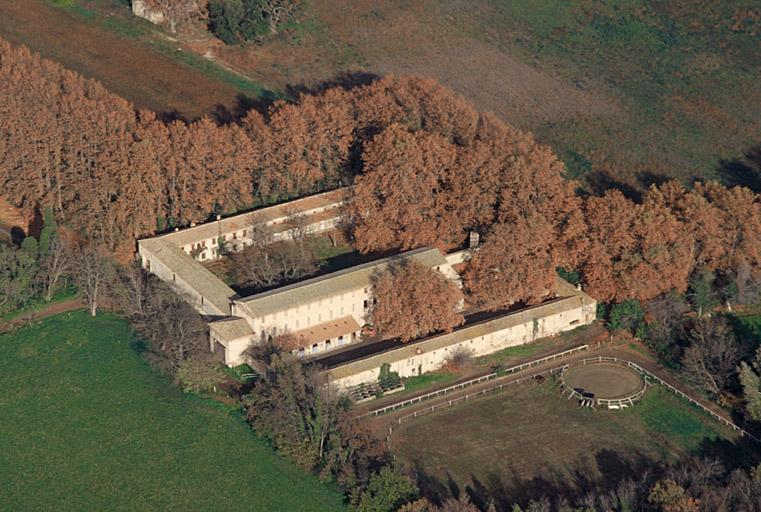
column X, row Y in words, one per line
column 605, row 382
column 647, row 377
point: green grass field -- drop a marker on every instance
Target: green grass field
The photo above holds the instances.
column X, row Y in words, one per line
column 531, row 434
column 684, row 72
column 86, row 424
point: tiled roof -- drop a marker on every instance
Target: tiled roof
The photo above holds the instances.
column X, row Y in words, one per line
column 242, row 221
column 327, row 330
column 195, row 275
column 231, row 328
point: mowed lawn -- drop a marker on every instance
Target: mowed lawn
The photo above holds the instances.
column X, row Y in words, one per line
column 86, row 424
column 530, row 436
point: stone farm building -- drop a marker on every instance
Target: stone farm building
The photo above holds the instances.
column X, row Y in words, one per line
column 327, row 312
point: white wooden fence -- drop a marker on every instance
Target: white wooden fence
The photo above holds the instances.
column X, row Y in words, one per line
column 472, row 382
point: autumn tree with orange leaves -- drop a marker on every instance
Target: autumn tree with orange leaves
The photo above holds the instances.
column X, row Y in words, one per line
column 634, row 251
column 426, row 169
column 515, row 264
column 413, row 300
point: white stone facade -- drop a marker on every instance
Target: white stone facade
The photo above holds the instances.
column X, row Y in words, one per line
column 572, row 309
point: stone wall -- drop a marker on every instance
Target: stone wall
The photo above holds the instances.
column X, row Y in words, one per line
column 142, row 9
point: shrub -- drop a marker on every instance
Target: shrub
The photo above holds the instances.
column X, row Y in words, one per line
column 235, row 21
column 199, row 374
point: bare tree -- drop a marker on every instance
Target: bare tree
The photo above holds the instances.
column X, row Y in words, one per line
column 299, row 227
column 261, row 234
column 55, row 265
column 90, row 271
column 179, row 11
column 173, row 329
column 272, row 264
column 277, row 12
column 710, row 360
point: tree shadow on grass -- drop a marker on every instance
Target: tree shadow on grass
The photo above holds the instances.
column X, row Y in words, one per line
column 744, row 171
column 742, row 453
column 264, row 101
column 346, row 80
column 599, row 182
column 598, row 473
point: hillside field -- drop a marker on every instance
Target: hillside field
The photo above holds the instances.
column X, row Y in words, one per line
column 85, row 424
column 627, row 93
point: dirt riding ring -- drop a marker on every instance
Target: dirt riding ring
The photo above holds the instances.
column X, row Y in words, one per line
column 607, row 382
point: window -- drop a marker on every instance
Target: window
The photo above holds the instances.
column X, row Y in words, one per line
column 366, row 303
column 327, row 344
column 174, row 277
column 314, row 348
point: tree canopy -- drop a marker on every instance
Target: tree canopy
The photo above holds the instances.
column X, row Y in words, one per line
column 412, row 300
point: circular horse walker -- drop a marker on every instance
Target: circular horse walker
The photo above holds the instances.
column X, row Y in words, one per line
column 604, row 382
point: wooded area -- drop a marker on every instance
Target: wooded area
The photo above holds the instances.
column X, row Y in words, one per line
column 427, row 168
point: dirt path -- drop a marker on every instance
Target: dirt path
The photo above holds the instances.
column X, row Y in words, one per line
column 73, row 304
column 124, row 65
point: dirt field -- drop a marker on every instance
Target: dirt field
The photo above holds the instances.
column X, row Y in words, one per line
column 122, row 52
column 604, row 380
column 529, row 441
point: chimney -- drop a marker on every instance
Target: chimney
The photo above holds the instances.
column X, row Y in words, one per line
column 474, row 239
column 192, row 224
column 219, row 217
column 578, row 286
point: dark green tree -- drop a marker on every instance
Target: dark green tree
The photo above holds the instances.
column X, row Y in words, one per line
column 627, row 315
column 387, row 490
column 18, row 270
column 701, row 292
column 48, row 233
